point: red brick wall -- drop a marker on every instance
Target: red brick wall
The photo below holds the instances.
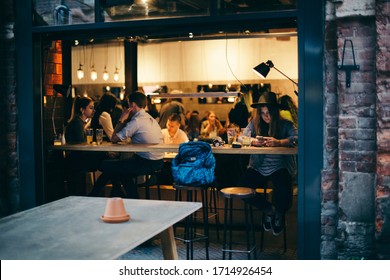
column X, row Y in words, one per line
column 383, row 128
column 355, row 179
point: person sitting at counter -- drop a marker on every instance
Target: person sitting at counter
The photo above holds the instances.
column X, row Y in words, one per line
column 193, row 126
column 172, row 134
column 75, row 133
column 211, row 127
column 135, row 123
column 102, row 117
column 272, row 131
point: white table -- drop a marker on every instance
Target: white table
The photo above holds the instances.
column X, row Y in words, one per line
column 71, row 228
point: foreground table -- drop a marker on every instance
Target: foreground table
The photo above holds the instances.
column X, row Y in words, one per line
column 71, row 228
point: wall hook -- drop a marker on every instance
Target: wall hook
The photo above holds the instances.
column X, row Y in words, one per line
column 348, row 68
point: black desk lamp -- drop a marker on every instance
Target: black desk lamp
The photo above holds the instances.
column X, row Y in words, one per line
column 263, row 69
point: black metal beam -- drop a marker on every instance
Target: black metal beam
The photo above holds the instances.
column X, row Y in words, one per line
column 310, row 148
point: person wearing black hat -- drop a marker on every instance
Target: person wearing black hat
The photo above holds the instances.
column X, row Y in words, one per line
column 279, row 169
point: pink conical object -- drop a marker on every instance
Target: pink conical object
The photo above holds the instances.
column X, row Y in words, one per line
column 115, row 211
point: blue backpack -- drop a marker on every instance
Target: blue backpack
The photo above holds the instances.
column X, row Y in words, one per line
column 194, row 164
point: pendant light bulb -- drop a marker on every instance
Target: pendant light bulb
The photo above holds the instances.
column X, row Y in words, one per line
column 116, row 75
column 80, row 73
column 93, row 74
column 106, row 76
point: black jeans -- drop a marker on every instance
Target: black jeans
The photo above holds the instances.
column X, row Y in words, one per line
column 281, row 193
column 125, row 170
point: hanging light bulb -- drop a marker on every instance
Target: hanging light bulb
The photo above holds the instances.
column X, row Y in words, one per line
column 92, row 65
column 80, row 72
column 93, row 74
column 116, row 75
column 106, row 76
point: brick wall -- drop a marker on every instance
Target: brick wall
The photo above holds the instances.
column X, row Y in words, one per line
column 355, row 196
column 382, row 190
column 9, row 171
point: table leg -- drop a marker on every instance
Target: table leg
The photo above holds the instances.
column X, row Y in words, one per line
column 168, row 244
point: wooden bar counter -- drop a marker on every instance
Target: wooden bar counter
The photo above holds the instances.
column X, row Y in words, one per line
column 172, row 148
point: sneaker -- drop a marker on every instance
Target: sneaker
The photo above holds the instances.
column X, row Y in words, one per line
column 278, row 224
column 267, row 222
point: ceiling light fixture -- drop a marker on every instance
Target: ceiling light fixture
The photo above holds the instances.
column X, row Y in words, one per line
column 92, row 65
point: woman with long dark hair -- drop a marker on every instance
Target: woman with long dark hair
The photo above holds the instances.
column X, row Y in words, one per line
column 271, row 131
column 102, row 117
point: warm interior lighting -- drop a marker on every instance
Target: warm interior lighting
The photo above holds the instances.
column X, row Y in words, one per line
column 80, row 72
column 93, row 74
column 92, row 65
column 106, row 76
column 231, row 99
column 116, row 75
column 156, row 100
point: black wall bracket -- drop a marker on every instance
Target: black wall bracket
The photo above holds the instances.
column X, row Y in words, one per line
column 348, row 68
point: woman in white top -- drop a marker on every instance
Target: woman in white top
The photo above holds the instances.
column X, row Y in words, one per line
column 102, row 117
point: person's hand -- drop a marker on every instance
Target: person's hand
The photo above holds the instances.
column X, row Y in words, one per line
column 126, row 115
column 271, row 142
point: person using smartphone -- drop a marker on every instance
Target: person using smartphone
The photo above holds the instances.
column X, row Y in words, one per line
column 269, row 130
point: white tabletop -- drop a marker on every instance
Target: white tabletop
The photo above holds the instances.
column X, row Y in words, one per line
column 71, row 228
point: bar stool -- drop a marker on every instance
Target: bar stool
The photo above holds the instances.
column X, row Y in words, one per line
column 151, row 180
column 190, row 235
column 230, row 194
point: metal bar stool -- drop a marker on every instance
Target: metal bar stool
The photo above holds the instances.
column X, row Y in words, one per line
column 230, row 194
column 190, row 235
column 151, row 180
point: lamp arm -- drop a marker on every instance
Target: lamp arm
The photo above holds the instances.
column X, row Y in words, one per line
column 285, row 75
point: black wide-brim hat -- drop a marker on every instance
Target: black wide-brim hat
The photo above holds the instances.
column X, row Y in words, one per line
column 267, row 98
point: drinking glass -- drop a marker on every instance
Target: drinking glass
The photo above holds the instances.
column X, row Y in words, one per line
column 99, row 136
column 89, row 135
column 246, row 138
column 231, row 135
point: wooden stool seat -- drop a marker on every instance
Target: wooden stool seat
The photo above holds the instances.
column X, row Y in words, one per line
column 231, row 193
column 238, row 192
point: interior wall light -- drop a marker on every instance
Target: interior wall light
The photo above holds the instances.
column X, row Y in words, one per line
column 263, row 69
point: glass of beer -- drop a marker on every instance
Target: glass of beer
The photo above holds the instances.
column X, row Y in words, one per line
column 89, row 135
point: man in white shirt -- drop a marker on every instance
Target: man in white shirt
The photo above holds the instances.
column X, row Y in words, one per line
column 172, row 134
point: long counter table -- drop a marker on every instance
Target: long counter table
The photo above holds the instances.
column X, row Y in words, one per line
column 172, row 148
